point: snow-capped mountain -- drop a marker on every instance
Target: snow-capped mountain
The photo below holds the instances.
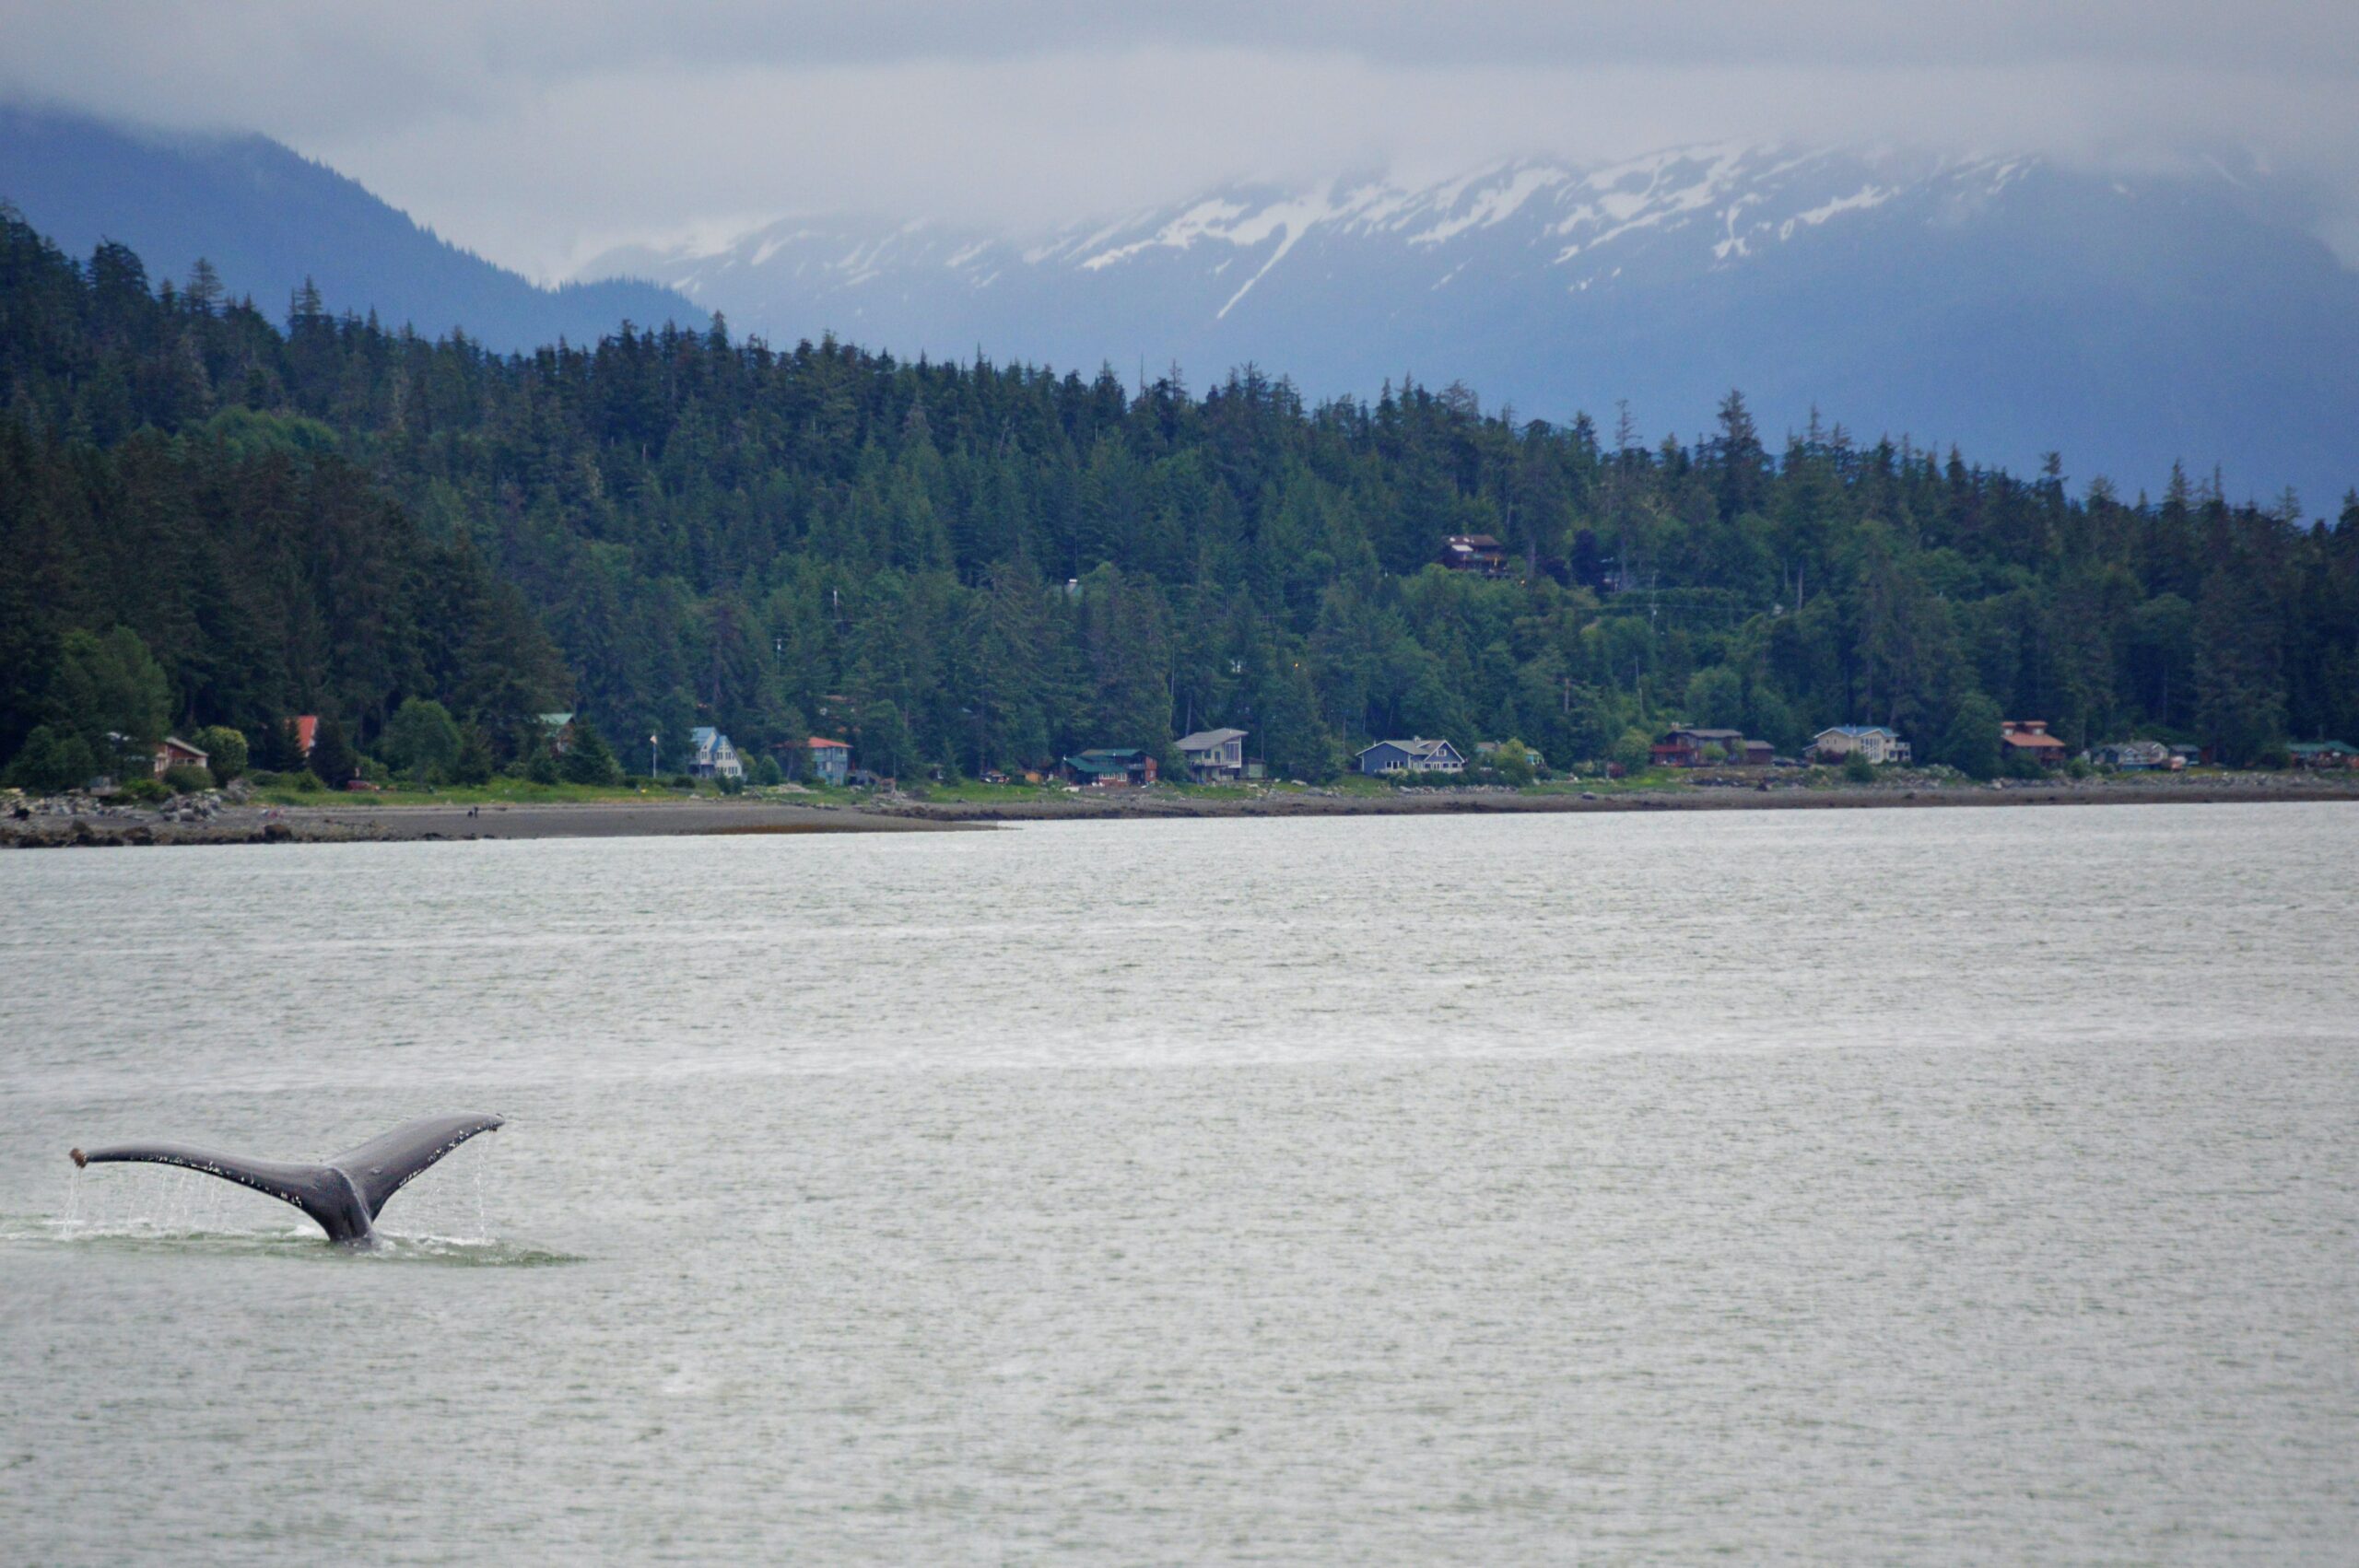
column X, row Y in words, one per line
column 2004, row 304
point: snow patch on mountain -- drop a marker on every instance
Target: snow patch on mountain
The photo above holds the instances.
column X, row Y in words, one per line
column 1492, row 207
column 1733, row 198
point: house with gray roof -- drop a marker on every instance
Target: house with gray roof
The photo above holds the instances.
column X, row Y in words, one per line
column 1214, row 755
column 1415, row 755
column 2137, row 756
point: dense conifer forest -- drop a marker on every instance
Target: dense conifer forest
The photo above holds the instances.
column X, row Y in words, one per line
column 975, row 566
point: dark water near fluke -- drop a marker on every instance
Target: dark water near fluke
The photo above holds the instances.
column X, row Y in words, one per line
column 1946, row 1186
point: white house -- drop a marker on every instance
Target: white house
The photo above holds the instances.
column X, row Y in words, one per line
column 1214, row 755
column 712, row 755
column 1876, row 742
column 1411, row 756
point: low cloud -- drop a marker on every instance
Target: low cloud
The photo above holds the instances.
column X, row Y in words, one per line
column 542, row 132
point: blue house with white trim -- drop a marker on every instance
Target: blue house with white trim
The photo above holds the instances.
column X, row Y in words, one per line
column 710, row 755
column 1416, row 756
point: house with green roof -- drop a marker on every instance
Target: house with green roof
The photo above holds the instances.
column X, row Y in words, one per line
column 1110, row 765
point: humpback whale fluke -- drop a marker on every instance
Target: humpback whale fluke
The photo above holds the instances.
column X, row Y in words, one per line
column 345, row 1195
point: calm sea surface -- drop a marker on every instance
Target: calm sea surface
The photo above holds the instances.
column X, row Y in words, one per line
column 1867, row 1186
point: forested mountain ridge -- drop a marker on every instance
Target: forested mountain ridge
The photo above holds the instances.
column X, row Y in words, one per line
column 266, row 218
column 977, row 565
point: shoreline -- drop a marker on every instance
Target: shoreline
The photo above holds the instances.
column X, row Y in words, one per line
column 370, row 822
column 1685, row 796
column 364, row 820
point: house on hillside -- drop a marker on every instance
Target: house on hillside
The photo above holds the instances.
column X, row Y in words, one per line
column 1104, row 766
column 1415, row 755
column 830, row 760
column 1876, row 742
column 1214, row 755
column 2323, row 754
column 1477, row 552
column 2029, row 737
column 712, row 756
column 173, row 752
column 1690, row 748
column 557, row 729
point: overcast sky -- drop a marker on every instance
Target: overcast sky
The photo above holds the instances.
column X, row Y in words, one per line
column 540, row 131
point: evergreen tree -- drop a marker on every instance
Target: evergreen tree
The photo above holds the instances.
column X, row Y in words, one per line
column 1971, row 744
column 474, row 765
column 667, row 529
column 112, row 685
column 51, row 761
column 588, row 760
column 886, row 748
column 333, row 758
column 276, row 745
column 422, row 741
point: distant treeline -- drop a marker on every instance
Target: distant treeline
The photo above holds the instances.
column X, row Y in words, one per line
column 976, row 566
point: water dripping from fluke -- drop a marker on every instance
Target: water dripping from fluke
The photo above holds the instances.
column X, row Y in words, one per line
column 344, row 1196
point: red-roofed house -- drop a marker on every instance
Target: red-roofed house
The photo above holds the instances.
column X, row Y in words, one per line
column 830, row 760
column 307, row 730
column 2029, row 737
column 172, row 752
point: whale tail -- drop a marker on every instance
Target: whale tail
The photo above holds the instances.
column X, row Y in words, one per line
column 383, row 1166
column 345, row 1194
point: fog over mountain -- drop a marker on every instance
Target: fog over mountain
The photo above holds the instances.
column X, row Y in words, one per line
column 267, row 218
column 2005, row 304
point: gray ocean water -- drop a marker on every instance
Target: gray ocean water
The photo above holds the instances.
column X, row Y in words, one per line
column 1946, row 1186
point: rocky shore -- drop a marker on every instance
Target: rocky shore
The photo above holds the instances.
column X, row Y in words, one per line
column 89, row 822
column 69, row 822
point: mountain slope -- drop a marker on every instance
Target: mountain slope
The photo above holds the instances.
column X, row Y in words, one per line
column 267, row 218
column 2002, row 304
